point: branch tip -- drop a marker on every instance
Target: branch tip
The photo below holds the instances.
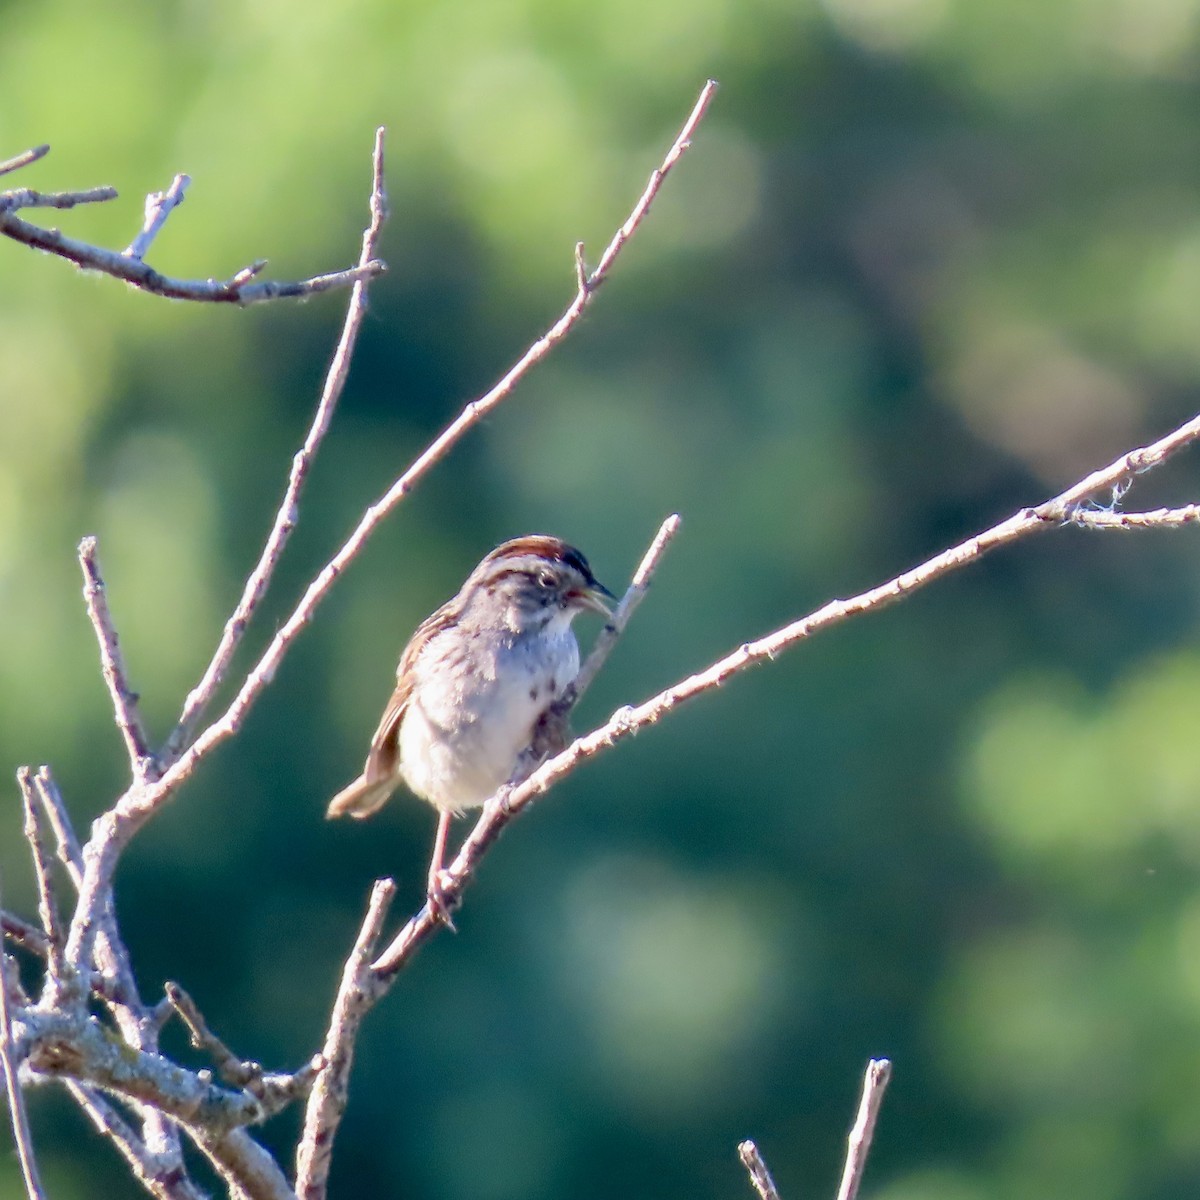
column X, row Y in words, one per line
column 875, row 1081
column 756, row 1168
column 24, row 159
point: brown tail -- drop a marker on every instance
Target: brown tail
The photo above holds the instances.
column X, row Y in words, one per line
column 361, row 798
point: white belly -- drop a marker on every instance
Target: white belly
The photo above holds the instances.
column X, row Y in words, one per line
column 458, row 746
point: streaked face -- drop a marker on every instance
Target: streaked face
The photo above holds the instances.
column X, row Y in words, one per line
column 542, row 575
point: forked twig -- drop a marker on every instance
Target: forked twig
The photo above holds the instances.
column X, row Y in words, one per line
column 128, row 264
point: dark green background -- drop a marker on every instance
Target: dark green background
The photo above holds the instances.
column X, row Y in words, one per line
column 928, row 261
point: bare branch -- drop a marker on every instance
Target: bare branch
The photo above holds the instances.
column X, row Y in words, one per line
column 159, row 206
column 24, row 159
column 29, row 937
column 632, row 719
column 552, row 730
column 756, row 1168
column 114, row 983
column 875, row 1081
column 285, row 520
column 12, row 1085
column 327, row 1102
column 128, row 264
column 1022, row 524
column 124, row 698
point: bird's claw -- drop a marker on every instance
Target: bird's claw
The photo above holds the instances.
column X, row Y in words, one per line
column 440, row 904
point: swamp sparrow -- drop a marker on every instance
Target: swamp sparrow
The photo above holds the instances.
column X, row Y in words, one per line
column 474, row 681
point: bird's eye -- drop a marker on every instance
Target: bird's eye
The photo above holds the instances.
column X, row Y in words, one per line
column 546, row 580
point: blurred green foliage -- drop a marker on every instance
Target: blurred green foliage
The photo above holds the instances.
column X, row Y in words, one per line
column 929, row 260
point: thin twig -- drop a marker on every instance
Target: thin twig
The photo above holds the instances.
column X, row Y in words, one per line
column 69, row 852
column 273, row 1089
column 1158, row 518
column 681, row 145
column 35, row 835
column 24, row 159
column 12, row 1085
column 875, row 1081
column 627, row 721
column 327, row 1102
column 552, row 729
column 634, row 595
column 28, row 198
column 159, row 206
column 235, row 290
column 233, row 1070
column 23, row 933
column 124, row 698
column 756, row 1168
column 285, row 519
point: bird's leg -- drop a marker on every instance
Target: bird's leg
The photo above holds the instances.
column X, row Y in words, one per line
column 435, row 891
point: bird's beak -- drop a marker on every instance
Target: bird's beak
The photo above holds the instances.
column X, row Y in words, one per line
column 596, row 597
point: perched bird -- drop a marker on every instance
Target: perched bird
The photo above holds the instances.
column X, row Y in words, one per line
column 473, row 682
